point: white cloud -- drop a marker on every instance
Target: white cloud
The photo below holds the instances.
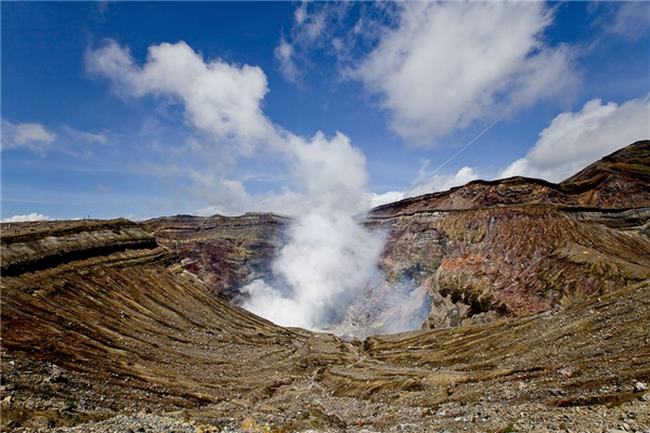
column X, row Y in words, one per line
column 284, row 202
column 38, row 138
column 224, row 101
column 425, row 184
column 25, row 218
column 312, row 27
column 386, row 197
column 447, row 65
column 284, row 54
column 94, row 137
column 325, row 173
column 88, row 137
column 230, row 192
column 574, row 140
column 219, row 98
column 31, row 132
column 631, row 20
column 300, row 14
column 331, row 172
column 441, row 182
column 329, row 257
column 33, row 136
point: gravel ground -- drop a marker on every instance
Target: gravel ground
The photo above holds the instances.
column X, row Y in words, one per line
column 449, row 418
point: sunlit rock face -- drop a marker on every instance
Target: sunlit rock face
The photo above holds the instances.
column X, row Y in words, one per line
column 515, row 247
column 514, row 260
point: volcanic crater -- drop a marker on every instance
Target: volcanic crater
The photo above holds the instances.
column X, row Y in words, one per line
column 529, row 311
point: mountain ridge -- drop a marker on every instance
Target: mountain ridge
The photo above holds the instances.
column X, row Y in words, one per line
column 577, row 190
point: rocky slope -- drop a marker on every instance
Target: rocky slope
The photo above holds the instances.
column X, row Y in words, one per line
column 619, row 180
column 511, row 261
column 541, row 310
column 35, row 246
column 116, row 334
column 123, row 324
column 224, row 252
column 487, row 249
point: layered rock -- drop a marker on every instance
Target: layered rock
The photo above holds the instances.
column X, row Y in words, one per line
column 516, row 260
column 487, row 249
column 29, row 247
column 224, row 252
column 515, row 246
column 619, row 180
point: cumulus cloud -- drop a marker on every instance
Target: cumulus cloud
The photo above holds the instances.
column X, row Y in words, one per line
column 33, row 136
column 573, row 140
column 331, row 172
column 25, row 218
column 219, row 98
column 441, row 182
column 426, row 184
column 323, row 173
column 447, row 65
column 225, row 101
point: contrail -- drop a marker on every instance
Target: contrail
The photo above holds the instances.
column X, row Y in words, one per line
column 460, row 151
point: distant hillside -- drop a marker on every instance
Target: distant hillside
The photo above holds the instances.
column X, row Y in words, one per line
column 620, row 180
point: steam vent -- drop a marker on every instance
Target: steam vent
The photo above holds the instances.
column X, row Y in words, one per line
column 538, row 311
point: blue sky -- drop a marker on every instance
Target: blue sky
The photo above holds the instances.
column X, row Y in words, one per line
column 87, row 134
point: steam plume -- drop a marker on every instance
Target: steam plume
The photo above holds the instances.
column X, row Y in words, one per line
column 329, row 257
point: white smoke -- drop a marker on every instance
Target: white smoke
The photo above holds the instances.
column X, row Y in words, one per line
column 329, row 257
column 385, row 308
column 328, row 260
